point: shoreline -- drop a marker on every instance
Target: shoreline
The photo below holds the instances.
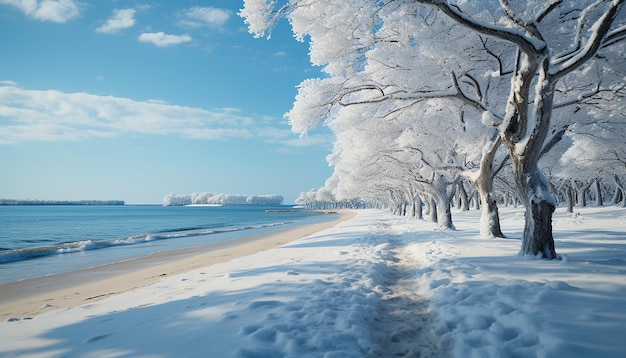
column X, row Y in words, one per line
column 31, row 297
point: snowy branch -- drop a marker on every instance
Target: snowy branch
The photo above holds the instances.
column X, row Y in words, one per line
column 563, row 65
column 527, row 43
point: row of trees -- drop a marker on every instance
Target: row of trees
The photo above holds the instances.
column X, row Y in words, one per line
column 424, row 94
column 569, row 193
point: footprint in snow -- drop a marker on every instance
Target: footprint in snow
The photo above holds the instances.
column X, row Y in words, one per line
column 262, row 304
column 96, row 338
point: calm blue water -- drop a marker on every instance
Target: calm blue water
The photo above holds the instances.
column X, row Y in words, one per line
column 42, row 240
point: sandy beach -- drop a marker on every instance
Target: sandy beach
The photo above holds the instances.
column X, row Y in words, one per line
column 31, row 297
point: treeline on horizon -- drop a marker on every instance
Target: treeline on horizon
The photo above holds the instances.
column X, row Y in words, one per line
column 207, row 198
column 60, row 202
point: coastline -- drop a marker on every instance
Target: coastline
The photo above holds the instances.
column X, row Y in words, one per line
column 31, row 297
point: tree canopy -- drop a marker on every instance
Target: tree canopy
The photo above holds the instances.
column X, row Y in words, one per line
column 422, row 93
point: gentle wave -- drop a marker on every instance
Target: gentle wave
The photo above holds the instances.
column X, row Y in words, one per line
column 8, row 255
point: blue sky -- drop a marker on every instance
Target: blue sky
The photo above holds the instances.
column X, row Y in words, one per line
column 133, row 100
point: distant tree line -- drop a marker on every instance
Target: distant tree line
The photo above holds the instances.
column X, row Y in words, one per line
column 207, row 198
column 60, row 202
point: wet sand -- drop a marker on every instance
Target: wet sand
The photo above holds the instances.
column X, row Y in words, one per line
column 31, row 297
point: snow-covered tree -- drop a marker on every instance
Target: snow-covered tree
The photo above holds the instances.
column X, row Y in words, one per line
column 365, row 48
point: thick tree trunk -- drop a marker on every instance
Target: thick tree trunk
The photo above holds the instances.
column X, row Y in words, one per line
column 490, row 217
column 539, row 204
column 533, row 187
column 444, row 214
column 443, row 203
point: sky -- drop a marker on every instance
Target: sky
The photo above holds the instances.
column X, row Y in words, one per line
column 133, row 100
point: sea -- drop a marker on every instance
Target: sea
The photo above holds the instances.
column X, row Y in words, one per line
column 41, row 240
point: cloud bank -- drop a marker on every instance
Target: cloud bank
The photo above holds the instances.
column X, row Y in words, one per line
column 121, row 19
column 36, row 115
column 59, row 11
column 51, row 115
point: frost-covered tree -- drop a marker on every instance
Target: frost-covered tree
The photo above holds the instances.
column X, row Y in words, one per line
column 550, row 44
column 546, row 55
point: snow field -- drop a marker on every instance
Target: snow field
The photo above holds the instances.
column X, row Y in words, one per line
column 491, row 303
column 373, row 286
column 315, row 297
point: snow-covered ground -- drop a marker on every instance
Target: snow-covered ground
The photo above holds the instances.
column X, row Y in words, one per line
column 373, row 286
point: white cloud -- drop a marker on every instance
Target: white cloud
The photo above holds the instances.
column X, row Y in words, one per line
column 205, row 16
column 161, row 39
column 8, row 83
column 51, row 115
column 46, row 10
column 36, row 115
column 121, row 19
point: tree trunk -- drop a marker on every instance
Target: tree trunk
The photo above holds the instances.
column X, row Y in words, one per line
column 581, row 193
column 617, row 196
column 476, row 200
column 415, row 202
column 539, row 204
column 598, row 192
column 443, row 203
column 621, row 190
column 463, row 202
column 444, row 214
column 417, row 207
column 569, row 198
column 432, row 210
column 490, row 217
column 533, row 187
